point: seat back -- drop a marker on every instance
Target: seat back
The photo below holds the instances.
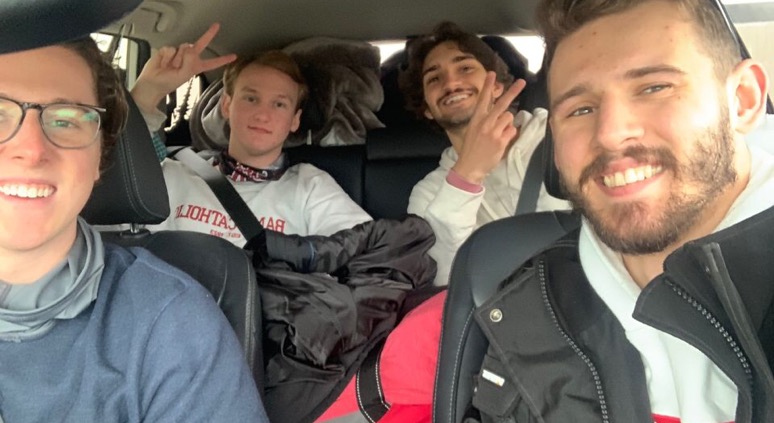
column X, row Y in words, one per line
column 487, row 258
column 396, row 159
column 344, row 163
column 132, row 190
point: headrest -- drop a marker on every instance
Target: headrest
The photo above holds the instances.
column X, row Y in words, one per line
column 132, row 188
column 32, row 24
column 518, row 65
column 344, row 94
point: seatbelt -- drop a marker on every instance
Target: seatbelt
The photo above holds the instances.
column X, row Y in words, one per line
column 368, row 386
column 235, row 206
column 533, row 181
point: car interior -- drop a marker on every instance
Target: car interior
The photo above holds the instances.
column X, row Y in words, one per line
column 378, row 172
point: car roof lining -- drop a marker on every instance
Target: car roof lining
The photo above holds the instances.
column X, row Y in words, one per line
column 264, row 24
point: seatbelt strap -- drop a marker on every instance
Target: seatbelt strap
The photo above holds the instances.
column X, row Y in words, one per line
column 368, row 386
column 533, row 181
column 235, row 206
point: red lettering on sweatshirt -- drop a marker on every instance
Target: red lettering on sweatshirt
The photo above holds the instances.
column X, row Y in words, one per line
column 273, row 224
column 222, row 221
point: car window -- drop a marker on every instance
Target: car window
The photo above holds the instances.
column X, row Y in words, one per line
column 754, row 20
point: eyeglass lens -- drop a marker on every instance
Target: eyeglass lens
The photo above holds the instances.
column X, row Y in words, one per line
column 65, row 125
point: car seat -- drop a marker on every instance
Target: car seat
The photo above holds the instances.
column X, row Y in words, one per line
column 132, row 190
column 487, row 258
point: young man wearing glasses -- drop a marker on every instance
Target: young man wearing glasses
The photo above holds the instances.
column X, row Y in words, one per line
column 92, row 332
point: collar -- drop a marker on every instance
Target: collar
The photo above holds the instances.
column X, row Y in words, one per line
column 239, row 172
column 30, row 311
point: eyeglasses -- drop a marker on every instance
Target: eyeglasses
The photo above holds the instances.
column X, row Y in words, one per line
column 66, row 125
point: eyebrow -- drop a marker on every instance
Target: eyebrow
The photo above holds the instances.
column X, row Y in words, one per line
column 456, row 59
column 254, row 91
column 57, row 100
column 630, row 74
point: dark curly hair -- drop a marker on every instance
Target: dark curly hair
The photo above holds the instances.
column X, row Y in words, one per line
column 410, row 80
column 557, row 19
column 109, row 89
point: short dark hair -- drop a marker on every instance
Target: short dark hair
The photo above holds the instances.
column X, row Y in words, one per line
column 410, row 80
column 109, row 89
column 275, row 59
column 557, row 19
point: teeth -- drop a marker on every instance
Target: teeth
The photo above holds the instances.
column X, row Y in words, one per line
column 631, row 175
column 455, row 98
column 26, row 191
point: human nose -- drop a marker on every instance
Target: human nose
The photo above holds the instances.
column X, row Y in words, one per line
column 450, row 80
column 261, row 112
column 30, row 142
column 617, row 124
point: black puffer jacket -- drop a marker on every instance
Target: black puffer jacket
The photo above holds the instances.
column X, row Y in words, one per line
column 327, row 301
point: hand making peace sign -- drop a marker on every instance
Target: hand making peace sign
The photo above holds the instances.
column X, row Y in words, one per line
column 171, row 67
column 489, row 133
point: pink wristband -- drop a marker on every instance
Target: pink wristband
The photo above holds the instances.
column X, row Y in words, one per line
column 454, row 179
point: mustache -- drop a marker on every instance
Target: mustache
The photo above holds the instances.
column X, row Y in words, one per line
column 662, row 156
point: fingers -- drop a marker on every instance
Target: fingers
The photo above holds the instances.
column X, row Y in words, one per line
column 180, row 54
column 486, row 95
column 505, row 100
column 210, row 64
column 165, row 56
column 206, row 38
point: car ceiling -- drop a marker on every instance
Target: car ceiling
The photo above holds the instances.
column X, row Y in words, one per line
column 251, row 25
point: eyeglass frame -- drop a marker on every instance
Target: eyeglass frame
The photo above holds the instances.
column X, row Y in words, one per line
column 27, row 105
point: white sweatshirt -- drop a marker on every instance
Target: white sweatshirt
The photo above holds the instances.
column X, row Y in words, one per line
column 305, row 201
column 454, row 213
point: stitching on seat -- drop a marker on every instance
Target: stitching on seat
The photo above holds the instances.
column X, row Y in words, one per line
column 382, row 399
column 457, row 356
column 360, row 399
column 250, row 336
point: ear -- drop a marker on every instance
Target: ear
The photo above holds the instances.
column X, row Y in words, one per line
column 747, row 88
column 428, row 114
column 296, row 121
column 225, row 103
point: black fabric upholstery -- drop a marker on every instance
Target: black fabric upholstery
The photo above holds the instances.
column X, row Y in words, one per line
column 131, row 188
column 32, row 24
column 488, row 257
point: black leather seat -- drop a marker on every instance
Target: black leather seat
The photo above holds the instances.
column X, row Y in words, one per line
column 488, row 257
column 132, row 190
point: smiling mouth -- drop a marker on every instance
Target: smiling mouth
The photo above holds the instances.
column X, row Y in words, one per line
column 455, row 98
column 26, row 191
column 631, row 175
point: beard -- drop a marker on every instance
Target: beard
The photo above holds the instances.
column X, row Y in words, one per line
column 460, row 119
column 454, row 123
column 647, row 227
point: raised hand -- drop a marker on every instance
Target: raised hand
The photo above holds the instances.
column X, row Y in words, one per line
column 171, row 67
column 489, row 133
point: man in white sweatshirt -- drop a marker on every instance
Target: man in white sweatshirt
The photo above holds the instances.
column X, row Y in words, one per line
column 262, row 102
column 456, row 80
